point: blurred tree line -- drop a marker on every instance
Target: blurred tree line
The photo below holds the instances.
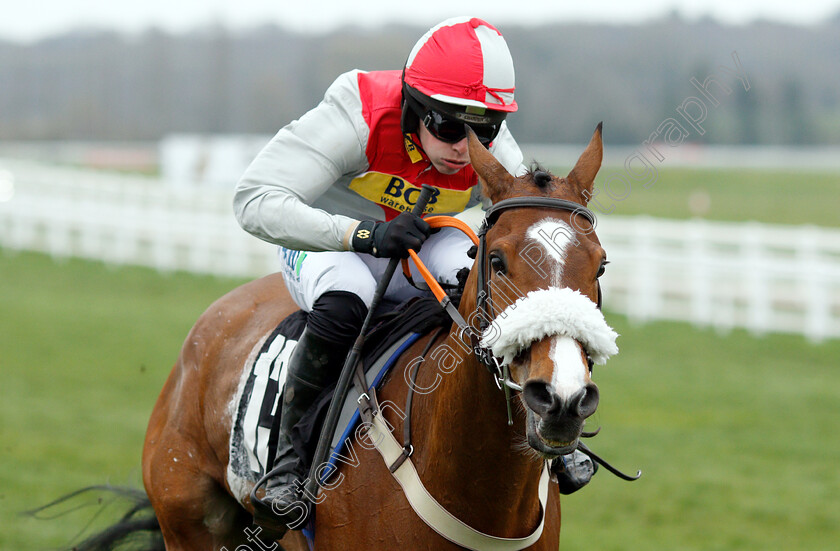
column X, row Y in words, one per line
column 103, row 85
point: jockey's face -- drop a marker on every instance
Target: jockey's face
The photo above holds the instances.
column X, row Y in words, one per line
column 447, row 158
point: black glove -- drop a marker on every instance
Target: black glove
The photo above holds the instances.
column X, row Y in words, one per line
column 391, row 239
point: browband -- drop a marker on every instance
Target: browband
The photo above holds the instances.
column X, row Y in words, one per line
column 549, row 202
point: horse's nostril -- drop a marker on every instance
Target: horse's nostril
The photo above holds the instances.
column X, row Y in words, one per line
column 540, row 397
column 588, row 401
column 545, row 402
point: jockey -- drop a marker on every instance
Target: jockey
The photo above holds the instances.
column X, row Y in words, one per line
column 335, row 189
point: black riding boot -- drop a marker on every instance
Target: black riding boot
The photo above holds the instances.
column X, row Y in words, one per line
column 315, row 363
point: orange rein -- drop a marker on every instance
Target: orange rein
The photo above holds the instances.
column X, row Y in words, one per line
column 437, row 222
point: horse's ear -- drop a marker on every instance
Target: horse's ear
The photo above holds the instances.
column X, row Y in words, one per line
column 495, row 178
column 582, row 177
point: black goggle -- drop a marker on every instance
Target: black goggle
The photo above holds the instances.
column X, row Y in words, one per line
column 450, row 130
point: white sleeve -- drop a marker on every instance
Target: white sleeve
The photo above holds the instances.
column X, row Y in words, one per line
column 472, row 216
column 507, row 152
column 298, row 165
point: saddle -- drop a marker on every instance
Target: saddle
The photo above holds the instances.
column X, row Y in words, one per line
column 256, row 419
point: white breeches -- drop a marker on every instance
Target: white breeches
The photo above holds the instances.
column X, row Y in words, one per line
column 308, row 275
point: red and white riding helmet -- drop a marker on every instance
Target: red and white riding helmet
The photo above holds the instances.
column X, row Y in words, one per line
column 463, row 61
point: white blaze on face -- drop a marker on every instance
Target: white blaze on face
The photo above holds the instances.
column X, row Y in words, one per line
column 554, row 238
column 569, row 374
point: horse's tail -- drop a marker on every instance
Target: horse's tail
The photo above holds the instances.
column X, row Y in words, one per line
column 137, row 529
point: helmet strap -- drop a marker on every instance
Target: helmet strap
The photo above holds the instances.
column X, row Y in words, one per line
column 409, row 121
column 409, row 124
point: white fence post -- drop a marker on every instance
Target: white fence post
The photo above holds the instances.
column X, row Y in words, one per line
column 754, row 273
column 814, row 283
column 699, row 272
column 644, row 301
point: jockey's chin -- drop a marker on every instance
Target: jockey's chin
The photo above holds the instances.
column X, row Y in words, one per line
column 447, row 158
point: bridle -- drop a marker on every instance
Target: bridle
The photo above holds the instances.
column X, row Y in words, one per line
column 498, row 369
column 484, row 299
column 490, row 219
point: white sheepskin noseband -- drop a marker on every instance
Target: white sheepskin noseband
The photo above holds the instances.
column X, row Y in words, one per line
column 546, row 313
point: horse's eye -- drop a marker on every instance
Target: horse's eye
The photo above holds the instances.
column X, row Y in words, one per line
column 602, row 268
column 497, row 264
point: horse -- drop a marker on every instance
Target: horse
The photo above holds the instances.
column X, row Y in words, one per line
column 485, row 471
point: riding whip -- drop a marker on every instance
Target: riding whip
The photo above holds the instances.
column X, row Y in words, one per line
column 343, row 384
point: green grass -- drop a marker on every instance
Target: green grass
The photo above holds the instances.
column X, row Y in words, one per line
column 735, row 195
column 84, row 352
column 736, row 435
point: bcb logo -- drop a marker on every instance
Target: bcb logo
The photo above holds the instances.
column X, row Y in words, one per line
column 363, row 234
column 397, row 189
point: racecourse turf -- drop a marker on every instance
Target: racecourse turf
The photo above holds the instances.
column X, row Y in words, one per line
column 736, row 435
column 737, row 195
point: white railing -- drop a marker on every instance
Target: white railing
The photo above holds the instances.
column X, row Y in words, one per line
column 127, row 220
column 762, row 277
column 765, row 278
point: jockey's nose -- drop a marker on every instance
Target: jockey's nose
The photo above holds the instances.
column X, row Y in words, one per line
column 461, row 147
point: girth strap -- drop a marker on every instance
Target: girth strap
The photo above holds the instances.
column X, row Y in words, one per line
column 433, row 514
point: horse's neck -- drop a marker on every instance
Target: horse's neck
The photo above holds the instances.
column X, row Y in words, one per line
column 468, row 455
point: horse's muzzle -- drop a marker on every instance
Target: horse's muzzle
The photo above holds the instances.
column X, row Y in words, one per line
column 554, row 424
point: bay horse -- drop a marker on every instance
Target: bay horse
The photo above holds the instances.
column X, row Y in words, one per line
column 484, row 471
